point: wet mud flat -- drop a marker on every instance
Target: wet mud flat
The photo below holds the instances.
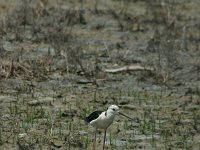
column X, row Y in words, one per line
column 60, row 60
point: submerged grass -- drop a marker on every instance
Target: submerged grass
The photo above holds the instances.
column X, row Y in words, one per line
column 44, row 46
column 54, row 122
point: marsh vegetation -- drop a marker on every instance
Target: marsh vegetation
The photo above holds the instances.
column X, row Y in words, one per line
column 60, row 60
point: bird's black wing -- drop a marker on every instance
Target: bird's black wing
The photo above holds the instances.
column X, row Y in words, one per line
column 94, row 115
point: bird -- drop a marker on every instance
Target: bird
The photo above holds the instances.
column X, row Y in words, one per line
column 102, row 120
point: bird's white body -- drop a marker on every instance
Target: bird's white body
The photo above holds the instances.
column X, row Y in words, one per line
column 103, row 121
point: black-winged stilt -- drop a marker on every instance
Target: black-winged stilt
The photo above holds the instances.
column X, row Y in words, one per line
column 102, row 120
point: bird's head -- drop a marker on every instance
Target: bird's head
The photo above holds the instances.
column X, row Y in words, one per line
column 113, row 109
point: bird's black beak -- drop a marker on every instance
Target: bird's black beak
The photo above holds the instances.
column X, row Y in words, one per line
column 125, row 116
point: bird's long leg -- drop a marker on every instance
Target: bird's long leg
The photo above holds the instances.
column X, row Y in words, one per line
column 104, row 139
column 94, row 142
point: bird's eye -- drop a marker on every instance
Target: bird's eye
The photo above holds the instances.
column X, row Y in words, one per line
column 113, row 109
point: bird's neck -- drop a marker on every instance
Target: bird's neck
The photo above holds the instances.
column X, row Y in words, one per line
column 109, row 114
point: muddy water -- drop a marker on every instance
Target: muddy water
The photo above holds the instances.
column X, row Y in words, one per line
column 53, row 61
